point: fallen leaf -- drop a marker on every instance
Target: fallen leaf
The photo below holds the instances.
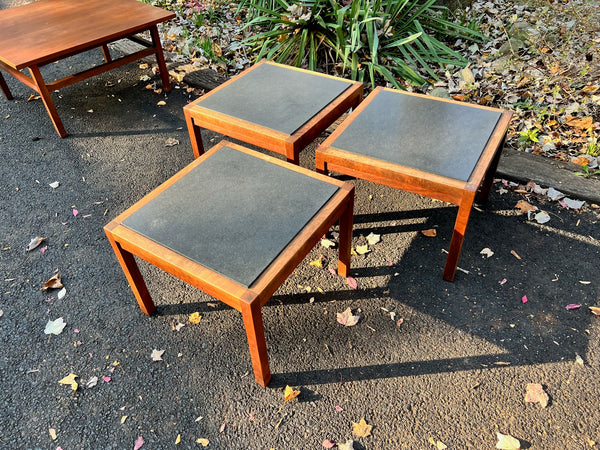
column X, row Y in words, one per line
column 595, row 310
column 373, row 238
column 349, row 445
column 486, row 253
column 52, row 432
column 316, row 263
column 361, row 429
column 328, row 444
column 535, row 394
column 507, row 442
column 171, row 142
column 222, row 427
column 55, row 326
column 93, row 381
column 35, row 242
column 429, row 233
column 573, row 306
column 327, row 243
column 525, row 207
column 156, row 355
column 289, row 394
column 572, row 204
column 542, row 217
column 138, row 443
column 53, row 283
column 362, row 249
column 352, row 283
column 161, row 103
column 195, row 318
column 584, row 282
column 70, row 380
column 143, row 66
column 554, row 195
column 438, row 444
column 203, row 442
column 54, row 184
column 512, row 252
column 61, row 294
column 123, row 419
column 578, row 359
column 178, row 439
column 347, row 319
column 583, row 123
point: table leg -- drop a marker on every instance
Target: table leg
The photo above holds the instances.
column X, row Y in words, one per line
column 48, row 103
column 106, row 53
column 195, row 135
column 257, row 343
column 488, row 180
column 5, row 88
column 458, row 235
column 134, row 276
column 346, row 221
column 160, row 59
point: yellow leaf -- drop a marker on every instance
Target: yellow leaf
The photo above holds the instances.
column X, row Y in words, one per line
column 161, row 103
column 362, row 249
column 438, row 444
column 52, row 432
column 203, row 442
column 361, row 429
column 595, row 310
column 195, row 318
column 316, row 263
column 290, row 393
column 123, row 419
column 70, row 380
column 178, row 440
column 507, row 442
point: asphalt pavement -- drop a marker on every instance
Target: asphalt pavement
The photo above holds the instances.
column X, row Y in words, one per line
column 430, row 363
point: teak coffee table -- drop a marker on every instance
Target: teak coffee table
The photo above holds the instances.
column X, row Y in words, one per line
column 46, row 31
column 234, row 223
column 433, row 147
column 273, row 106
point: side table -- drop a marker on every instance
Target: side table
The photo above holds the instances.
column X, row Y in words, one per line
column 433, row 147
column 273, row 106
column 234, row 223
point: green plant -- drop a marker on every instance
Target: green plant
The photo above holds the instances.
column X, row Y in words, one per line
column 528, row 135
column 586, row 172
column 592, row 147
column 371, row 39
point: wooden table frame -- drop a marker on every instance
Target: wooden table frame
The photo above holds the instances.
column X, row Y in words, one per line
column 330, row 158
column 89, row 25
column 198, row 117
column 248, row 300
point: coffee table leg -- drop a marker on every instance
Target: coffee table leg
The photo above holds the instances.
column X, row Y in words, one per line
column 488, row 180
column 346, row 222
column 48, row 103
column 134, row 276
column 5, row 88
column 257, row 343
column 195, row 135
column 160, row 59
column 458, row 235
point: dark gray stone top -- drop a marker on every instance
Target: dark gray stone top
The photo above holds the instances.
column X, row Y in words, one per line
column 438, row 137
column 233, row 213
column 276, row 97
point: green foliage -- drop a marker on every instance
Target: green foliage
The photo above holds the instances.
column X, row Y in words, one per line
column 592, row 147
column 371, row 40
column 529, row 135
column 587, row 172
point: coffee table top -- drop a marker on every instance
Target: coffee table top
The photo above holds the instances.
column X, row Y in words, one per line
column 278, row 97
column 432, row 135
column 48, row 29
column 233, row 213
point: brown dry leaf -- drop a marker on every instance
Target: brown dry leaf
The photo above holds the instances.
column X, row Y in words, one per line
column 581, row 160
column 595, row 310
column 361, row 429
column 347, row 319
column 512, row 252
column 524, row 206
column 289, row 394
column 53, row 283
column 590, row 89
column 535, row 394
column 583, row 123
column 33, row 97
column 429, row 233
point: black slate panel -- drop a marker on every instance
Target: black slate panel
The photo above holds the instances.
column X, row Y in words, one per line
column 276, row 97
column 434, row 136
column 234, row 213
